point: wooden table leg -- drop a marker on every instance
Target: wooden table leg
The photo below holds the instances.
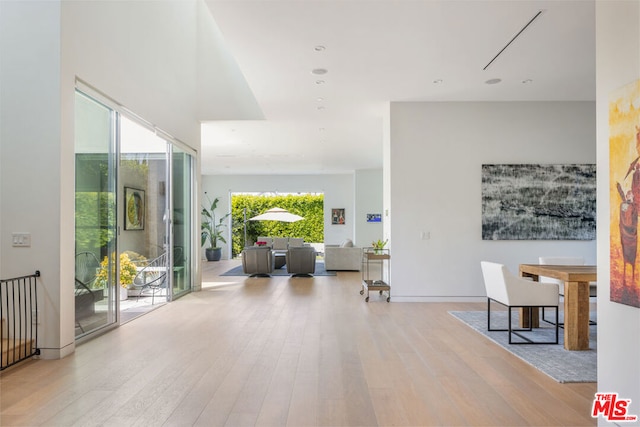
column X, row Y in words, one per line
column 576, row 315
column 534, row 321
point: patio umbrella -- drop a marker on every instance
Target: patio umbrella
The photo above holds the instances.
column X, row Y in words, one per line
column 277, row 214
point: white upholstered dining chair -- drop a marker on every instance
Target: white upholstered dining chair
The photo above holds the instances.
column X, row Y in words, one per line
column 515, row 292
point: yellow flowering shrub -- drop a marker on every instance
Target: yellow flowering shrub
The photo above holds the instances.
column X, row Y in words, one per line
column 128, row 270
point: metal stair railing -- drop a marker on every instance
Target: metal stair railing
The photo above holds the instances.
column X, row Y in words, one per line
column 18, row 319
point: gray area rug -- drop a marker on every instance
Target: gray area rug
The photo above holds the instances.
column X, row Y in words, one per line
column 562, row 365
column 320, row 271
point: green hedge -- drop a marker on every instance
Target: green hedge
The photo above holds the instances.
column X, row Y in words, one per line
column 308, row 206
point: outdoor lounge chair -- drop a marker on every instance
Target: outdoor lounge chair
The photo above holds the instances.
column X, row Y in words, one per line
column 153, row 276
column 87, row 266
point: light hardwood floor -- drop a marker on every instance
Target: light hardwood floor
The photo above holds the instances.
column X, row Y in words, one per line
column 297, row 352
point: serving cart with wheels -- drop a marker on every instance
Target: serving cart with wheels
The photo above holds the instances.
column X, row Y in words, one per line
column 375, row 272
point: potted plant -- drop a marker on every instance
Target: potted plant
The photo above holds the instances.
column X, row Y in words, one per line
column 378, row 247
column 211, row 230
column 128, row 272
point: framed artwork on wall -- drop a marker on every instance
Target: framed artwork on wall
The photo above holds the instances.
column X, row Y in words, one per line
column 134, row 209
column 539, row 202
column 375, row 217
column 337, row 216
column 624, row 194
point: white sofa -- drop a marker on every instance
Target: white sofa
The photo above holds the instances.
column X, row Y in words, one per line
column 342, row 257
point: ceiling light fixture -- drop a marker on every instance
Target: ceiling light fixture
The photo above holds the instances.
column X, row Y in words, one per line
column 319, row 71
column 493, row 81
column 319, row 82
column 319, row 48
column 320, row 107
column 527, row 81
column 437, row 81
column 319, row 99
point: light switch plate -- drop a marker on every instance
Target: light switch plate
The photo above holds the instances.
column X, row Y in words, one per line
column 21, row 239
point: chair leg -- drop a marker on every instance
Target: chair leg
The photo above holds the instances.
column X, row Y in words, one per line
column 488, row 314
column 529, row 341
column 515, row 331
column 509, row 325
column 557, row 323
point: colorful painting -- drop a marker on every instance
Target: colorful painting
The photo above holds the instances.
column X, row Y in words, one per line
column 133, row 209
column 624, row 193
column 374, row 217
column 538, row 202
column 337, row 216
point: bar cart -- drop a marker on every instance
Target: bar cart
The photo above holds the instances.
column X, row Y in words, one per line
column 375, row 272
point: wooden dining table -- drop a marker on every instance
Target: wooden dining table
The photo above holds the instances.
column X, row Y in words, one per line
column 576, row 280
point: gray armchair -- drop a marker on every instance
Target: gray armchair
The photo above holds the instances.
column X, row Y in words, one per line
column 258, row 261
column 301, row 261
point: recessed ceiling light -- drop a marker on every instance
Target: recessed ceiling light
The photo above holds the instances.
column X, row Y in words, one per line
column 320, row 107
column 437, row 81
column 319, row 71
column 527, row 81
column 319, row 82
column 321, row 129
column 493, row 81
column 320, row 99
column 319, row 48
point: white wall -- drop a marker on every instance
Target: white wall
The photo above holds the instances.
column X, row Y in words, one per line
column 368, row 200
column 617, row 64
column 31, row 160
column 339, row 192
column 437, row 150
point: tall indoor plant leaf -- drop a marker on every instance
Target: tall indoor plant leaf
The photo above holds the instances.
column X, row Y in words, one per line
column 212, row 228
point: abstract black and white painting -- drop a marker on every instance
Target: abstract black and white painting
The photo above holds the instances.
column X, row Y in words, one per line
column 538, row 202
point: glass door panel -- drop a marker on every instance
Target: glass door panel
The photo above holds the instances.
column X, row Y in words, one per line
column 143, row 239
column 182, row 221
column 95, row 227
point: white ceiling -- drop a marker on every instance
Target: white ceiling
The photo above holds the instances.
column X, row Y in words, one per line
column 380, row 51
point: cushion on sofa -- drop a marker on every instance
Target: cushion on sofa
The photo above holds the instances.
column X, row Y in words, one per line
column 280, row 243
column 348, row 243
column 295, row 242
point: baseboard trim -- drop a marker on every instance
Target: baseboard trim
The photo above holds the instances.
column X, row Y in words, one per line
column 57, row 353
column 404, row 298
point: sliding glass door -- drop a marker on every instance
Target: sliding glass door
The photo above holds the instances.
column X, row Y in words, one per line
column 96, row 202
column 182, row 220
column 134, row 215
column 144, row 237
